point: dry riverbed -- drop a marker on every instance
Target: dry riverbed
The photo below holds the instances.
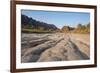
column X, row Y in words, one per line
column 54, row 47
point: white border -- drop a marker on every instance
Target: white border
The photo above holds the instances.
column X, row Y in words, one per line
column 20, row 65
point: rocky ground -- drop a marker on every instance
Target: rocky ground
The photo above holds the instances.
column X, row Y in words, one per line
column 54, row 47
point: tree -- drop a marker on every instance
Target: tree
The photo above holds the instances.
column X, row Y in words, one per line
column 79, row 26
column 88, row 25
column 65, row 29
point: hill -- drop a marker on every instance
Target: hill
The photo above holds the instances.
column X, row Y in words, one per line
column 33, row 25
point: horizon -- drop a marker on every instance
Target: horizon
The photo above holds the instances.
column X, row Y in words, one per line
column 59, row 18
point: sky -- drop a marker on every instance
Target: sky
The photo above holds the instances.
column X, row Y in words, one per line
column 59, row 18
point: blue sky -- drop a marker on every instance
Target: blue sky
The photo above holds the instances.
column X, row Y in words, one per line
column 60, row 18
